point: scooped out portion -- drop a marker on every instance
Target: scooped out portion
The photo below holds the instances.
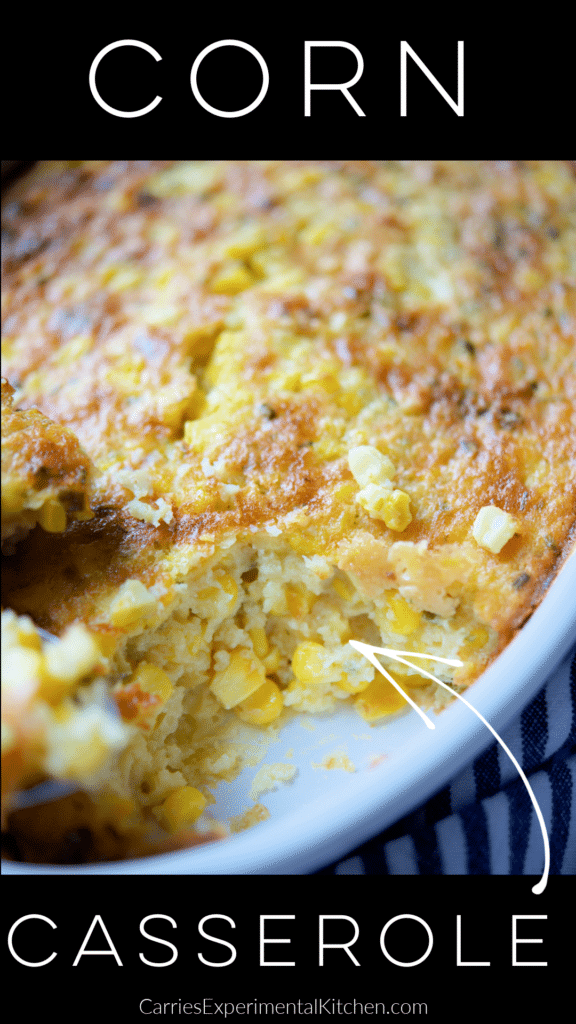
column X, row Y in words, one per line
column 186, row 690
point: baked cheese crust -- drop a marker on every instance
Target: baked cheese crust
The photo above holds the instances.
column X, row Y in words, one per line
column 45, row 473
column 323, row 401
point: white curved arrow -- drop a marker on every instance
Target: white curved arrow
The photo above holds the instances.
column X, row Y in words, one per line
column 370, row 653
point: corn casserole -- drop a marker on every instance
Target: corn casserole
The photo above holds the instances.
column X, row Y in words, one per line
column 253, row 410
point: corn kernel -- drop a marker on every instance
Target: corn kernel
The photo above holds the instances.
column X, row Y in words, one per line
column 493, row 528
column 380, row 698
column 120, row 278
column 402, row 617
column 74, row 656
column 374, row 498
column 263, row 706
column 343, row 588
column 397, row 515
column 259, row 642
column 162, row 278
column 233, row 278
column 107, row 640
column 52, row 516
column 11, row 498
column 417, row 681
column 132, row 601
column 329, row 385
column 182, row 808
column 352, row 402
column 268, row 261
column 343, row 491
column 172, row 407
column 315, row 234
column 239, row 680
column 308, row 661
column 303, row 544
column 393, row 507
column 475, row 640
column 197, row 340
column 193, row 644
column 229, row 586
column 326, row 448
column 136, row 705
column 69, row 353
column 478, row 637
column 245, row 242
column 62, row 714
column 395, row 277
column 298, row 600
column 27, row 635
column 272, row 661
column 152, row 679
column 369, row 466
column 347, row 684
column 528, row 279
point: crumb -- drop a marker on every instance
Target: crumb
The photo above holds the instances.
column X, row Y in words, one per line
column 378, row 760
column 250, row 817
column 269, row 776
column 337, row 760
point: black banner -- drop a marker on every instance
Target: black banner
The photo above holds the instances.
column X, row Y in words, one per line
column 233, row 948
column 473, row 86
column 285, row 84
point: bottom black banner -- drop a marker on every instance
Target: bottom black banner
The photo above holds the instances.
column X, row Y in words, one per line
column 233, row 948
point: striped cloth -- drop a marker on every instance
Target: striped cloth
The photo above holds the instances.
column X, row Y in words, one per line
column 484, row 823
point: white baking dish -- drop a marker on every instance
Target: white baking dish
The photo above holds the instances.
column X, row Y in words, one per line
column 323, row 814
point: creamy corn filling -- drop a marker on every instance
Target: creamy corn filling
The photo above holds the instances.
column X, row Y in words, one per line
column 260, row 634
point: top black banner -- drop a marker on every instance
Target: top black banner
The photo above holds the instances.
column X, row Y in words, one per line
column 261, row 84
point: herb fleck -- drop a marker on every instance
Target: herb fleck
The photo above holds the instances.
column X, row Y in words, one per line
column 521, row 581
column 268, row 412
column 508, row 419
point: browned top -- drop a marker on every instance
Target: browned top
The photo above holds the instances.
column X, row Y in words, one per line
column 229, row 331
column 41, row 461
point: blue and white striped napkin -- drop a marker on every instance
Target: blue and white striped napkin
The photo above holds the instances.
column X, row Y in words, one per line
column 483, row 822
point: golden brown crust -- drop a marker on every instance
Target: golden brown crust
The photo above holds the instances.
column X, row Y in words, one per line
column 43, row 467
column 439, row 297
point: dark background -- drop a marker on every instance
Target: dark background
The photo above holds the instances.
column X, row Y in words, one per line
column 519, row 82
column 486, row 905
column 519, row 100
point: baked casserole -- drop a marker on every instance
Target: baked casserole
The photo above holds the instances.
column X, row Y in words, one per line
column 254, row 410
